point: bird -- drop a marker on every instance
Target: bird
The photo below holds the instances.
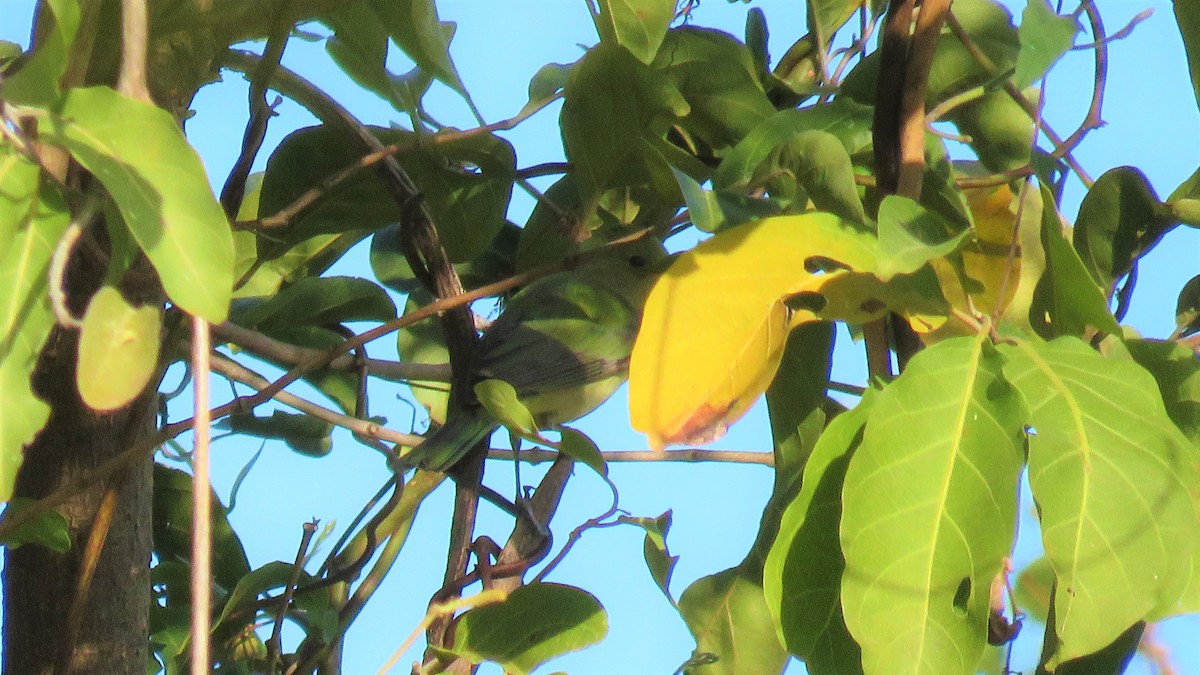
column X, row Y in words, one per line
column 562, row 343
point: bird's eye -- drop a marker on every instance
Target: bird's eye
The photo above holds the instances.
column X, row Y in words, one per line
column 637, row 261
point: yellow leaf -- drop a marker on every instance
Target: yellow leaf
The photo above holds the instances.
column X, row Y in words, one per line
column 716, row 322
column 995, row 273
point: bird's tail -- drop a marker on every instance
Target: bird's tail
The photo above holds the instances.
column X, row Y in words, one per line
column 444, row 447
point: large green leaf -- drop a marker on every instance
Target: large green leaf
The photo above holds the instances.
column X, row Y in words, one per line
column 359, row 45
column 33, row 217
column 929, row 510
column 157, row 180
column 118, row 350
column 802, row 577
column 1112, row 476
column 1119, row 221
column 636, row 25
column 534, row 624
column 728, row 615
column 614, row 116
column 1045, row 37
column 716, row 76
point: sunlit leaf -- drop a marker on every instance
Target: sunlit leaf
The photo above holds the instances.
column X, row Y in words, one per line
column 579, row 447
column 535, row 624
column 33, row 216
column 500, row 400
column 118, row 350
column 910, row 236
column 1045, row 37
column 1111, row 475
column 636, row 25
column 138, row 152
column 37, row 81
column 48, row 529
column 716, row 322
column 659, row 560
column 727, row 614
column 928, row 519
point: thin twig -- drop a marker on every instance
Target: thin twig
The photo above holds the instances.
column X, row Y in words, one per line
column 275, row 643
column 366, row 428
column 690, row 455
column 278, row 351
column 440, row 610
column 201, row 572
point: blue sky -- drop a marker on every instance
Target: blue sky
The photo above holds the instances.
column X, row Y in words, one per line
column 1152, row 123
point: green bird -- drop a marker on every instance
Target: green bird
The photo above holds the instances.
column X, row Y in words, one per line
column 563, row 343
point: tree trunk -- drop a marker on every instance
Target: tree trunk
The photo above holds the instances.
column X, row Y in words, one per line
column 40, row 585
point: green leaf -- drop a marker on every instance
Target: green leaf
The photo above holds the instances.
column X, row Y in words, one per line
column 910, row 236
column 466, row 183
column 424, row 342
column 929, row 510
column 48, row 529
column 1113, row 658
column 636, row 25
column 305, row 434
column 659, row 560
column 1045, row 37
column 615, row 113
column 500, row 400
column 849, row 122
column 33, row 217
column 727, row 613
column 1187, row 17
column 37, row 81
column 415, row 27
column 576, row 445
column 1187, row 308
column 1111, row 475
column 827, row 16
column 802, row 577
column 535, row 624
column 716, row 75
column 140, row 155
column 1120, row 219
column 1000, row 130
column 359, row 46
column 118, row 350
column 317, row 301
column 1177, row 373
column 1034, row 589
column 1067, row 300
column 173, row 529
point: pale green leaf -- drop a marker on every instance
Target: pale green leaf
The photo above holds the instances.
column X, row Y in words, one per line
column 33, row 218
column 659, row 560
column 140, row 155
column 118, row 350
column 728, row 615
column 1112, row 476
column 929, row 511
column 535, row 624
column 500, row 400
column 579, row 447
column 37, row 81
column 1045, row 37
